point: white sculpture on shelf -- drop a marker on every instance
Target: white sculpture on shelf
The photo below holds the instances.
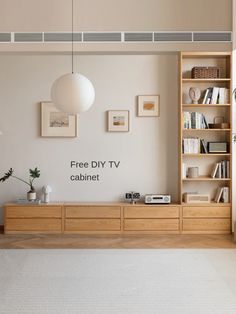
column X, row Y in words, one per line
column 194, row 94
column 46, row 191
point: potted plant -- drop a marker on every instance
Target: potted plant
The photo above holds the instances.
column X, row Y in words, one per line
column 33, row 174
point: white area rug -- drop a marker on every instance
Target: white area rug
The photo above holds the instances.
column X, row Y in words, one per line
column 118, row 281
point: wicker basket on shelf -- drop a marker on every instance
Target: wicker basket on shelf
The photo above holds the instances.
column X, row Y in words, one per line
column 205, row 72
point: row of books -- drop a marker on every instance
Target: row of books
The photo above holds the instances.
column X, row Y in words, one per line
column 194, row 120
column 216, row 95
column 191, row 146
column 222, row 195
column 194, row 145
column 221, row 170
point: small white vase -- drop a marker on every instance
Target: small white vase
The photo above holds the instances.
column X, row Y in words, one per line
column 31, row 196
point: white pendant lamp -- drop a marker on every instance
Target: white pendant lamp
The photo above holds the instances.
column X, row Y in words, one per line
column 73, row 92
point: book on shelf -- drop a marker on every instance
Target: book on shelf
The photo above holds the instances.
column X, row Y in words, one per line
column 221, row 170
column 184, row 170
column 191, row 145
column 214, row 170
column 194, row 120
column 222, row 195
column 205, row 96
column 216, row 95
column 204, row 149
column 225, row 195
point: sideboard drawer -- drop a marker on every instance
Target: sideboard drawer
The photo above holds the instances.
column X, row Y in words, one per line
column 92, row 211
column 151, row 224
column 151, row 211
column 33, row 212
column 92, row 225
column 206, row 212
column 33, row 225
column 205, row 224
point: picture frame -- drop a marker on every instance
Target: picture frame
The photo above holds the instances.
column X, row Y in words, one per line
column 118, row 120
column 55, row 123
column 149, row 106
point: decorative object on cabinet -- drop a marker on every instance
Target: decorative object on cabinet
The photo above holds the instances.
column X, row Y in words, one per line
column 133, row 197
column 55, row 123
column 157, row 199
column 33, row 174
column 46, row 191
column 194, row 94
column 73, row 93
column 149, row 106
column 118, row 121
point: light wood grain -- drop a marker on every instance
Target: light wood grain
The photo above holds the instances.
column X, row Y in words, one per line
column 92, row 225
column 205, row 224
column 33, row 212
column 151, row 212
column 33, row 225
column 92, row 212
column 151, row 224
column 206, row 212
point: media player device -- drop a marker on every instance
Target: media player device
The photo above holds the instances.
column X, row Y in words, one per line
column 157, row 199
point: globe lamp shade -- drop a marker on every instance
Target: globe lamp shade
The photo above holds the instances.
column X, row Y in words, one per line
column 73, row 93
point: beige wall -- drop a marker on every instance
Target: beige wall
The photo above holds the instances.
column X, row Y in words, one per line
column 148, row 153
column 55, row 15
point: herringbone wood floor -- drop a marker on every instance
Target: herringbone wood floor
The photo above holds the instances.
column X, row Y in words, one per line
column 115, row 241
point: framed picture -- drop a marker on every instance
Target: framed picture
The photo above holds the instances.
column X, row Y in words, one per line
column 118, row 121
column 55, row 123
column 149, row 106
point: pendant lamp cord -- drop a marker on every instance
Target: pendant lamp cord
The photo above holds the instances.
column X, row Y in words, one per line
column 72, row 39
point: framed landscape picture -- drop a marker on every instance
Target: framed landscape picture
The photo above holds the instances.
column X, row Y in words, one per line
column 118, row 121
column 55, row 123
column 149, row 106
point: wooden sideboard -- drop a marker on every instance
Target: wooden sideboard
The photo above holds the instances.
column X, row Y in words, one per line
column 116, row 218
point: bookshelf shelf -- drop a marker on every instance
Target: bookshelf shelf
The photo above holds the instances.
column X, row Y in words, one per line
column 219, row 189
column 205, row 105
column 204, row 155
column 207, row 130
column 204, row 178
column 190, row 80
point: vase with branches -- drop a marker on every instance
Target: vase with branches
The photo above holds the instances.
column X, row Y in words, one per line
column 33, row 174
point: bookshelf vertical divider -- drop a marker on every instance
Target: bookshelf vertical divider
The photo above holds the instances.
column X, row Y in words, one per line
column 213, row 217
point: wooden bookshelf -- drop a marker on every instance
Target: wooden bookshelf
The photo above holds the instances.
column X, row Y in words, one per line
column 205, row 184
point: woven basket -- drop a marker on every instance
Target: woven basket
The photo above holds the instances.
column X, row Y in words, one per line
column 205, row 72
